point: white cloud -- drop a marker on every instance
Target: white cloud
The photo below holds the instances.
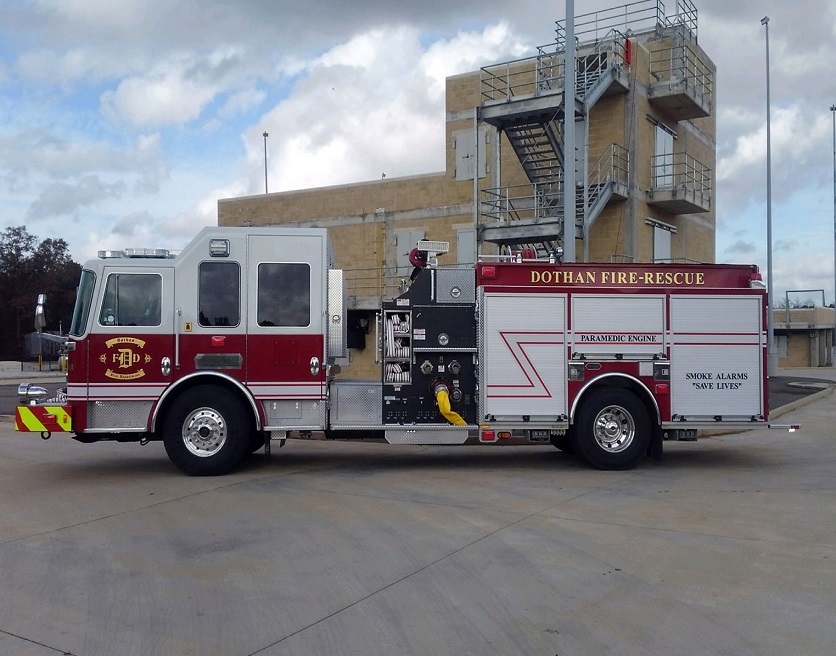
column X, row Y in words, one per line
column 132, row 225
column 178, row 88
column 470, row 50
column 740, row 246
column 164, row 95
column 241, row 102
column 372, row 105
column 37, row 158
column 150, row 163
column 123, row 14
column 79, row 66
column 62, row 198
column 797, row 134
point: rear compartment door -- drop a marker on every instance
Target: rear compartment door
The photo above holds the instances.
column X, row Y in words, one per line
column 717, row 357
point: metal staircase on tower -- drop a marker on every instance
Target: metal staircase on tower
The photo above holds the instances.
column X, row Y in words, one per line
column 523, row 99
column 539, row 146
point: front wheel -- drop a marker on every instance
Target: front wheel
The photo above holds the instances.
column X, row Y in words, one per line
column 206, row 431
column 612, row 429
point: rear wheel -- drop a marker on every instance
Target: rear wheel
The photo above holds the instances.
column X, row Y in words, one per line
column 206, row 431
column 612, row 430
column 565, row 442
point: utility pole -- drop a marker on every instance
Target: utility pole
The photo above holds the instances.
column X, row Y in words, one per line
column 569, row 135
column 265, row 162
column 833, row 341
column 771, row 355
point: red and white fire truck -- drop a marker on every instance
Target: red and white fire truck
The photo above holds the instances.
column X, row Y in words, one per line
column 235, row 342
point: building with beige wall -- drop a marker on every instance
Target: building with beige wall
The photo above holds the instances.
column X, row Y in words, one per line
column 804, row 336
column 643, row 118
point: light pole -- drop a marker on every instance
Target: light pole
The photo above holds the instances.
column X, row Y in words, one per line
column 265, row 161
column 569, row 163
column 771, row 356
column 833, row 342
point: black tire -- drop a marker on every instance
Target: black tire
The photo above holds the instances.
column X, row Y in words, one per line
column 565, row 442
column 206, row 431
column 256, row 442
column 612, row 429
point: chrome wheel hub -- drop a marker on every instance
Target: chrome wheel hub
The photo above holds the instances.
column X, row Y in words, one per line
column 204, row 432
column 614, row 429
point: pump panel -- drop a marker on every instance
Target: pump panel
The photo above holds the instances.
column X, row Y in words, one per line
column 427, row 341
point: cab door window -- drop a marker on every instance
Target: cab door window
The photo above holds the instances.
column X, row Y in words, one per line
column 132, row 299
column 284, row 294
column 219, row 294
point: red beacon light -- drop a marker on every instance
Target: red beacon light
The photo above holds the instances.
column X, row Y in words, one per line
column 756, row 280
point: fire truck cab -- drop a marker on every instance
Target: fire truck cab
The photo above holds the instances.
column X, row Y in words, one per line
column 219, row 344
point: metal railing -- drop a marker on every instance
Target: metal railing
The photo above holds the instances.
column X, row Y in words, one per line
column 680, row 170
column 681, row 65
column 605, row 54
column 676, row 260
column 544, row 74
column 623, row 258
column 685, row 16
column 612, row 166
column 544, row 201
column 603, row 31
column 524, row 202
column 381, row 283
column 375, row 282
column 528, row 77
column 644, row 14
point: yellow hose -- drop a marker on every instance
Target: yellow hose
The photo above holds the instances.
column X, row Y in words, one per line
column 443, row 400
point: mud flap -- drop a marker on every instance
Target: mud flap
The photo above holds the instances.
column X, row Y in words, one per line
column 654, row 449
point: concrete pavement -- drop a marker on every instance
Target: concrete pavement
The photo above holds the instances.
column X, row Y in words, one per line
column 726, row 547
column 793, row 388
column 822, row 373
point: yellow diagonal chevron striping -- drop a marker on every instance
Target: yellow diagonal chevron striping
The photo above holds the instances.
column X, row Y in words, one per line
column 43, row 418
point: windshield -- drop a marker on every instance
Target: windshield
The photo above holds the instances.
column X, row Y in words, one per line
column 83, row 301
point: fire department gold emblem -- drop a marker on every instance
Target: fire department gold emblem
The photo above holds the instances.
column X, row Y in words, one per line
column 126, row 358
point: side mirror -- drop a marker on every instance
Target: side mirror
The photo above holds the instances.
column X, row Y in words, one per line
column 40, row 317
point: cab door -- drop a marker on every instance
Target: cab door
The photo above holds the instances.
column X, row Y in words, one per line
column 286, row 329
column 130, row 347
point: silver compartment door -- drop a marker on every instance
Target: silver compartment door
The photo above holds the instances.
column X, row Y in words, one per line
column 523, row 357
column 716, row 357
column 607, row 325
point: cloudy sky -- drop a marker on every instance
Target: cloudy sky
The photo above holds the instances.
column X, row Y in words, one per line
column 122, row 122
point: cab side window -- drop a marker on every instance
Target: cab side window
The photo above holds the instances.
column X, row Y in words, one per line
column 219, row 294
column 132, row 299
column 284, row 294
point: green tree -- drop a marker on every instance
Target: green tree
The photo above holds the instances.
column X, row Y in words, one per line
column 28, row 268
